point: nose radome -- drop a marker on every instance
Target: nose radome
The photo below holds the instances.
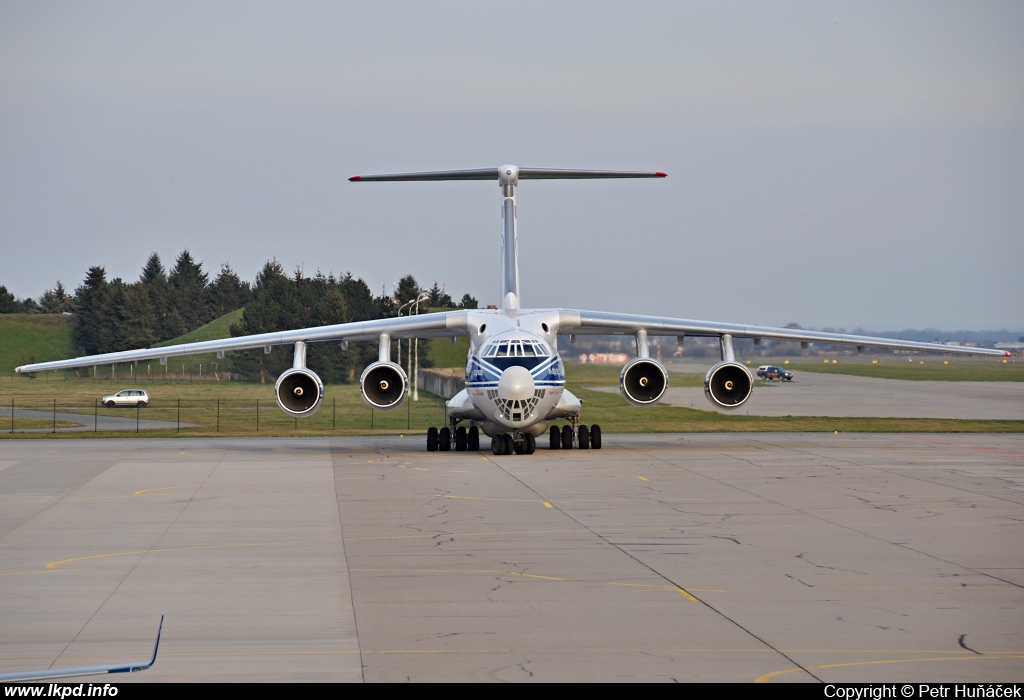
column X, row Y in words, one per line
column 516, row 383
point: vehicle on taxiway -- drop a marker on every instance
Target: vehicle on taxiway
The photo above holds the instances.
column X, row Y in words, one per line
column 127, row 397
column 770, row 372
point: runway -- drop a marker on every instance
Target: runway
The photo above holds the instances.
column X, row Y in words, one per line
column 707, row 557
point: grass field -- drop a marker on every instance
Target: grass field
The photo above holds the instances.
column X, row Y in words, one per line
column 248, row 409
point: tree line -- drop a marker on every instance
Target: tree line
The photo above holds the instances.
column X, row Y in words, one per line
column 114, row 315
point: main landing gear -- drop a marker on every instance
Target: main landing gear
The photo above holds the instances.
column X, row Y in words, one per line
column 584, row 437
column 460, row 438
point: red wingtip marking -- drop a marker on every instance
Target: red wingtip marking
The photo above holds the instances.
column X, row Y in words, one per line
column 354, row 178
column 660, row 174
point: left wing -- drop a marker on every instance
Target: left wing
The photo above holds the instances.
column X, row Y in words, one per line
column 49, row 674
column 602, row 323
column 435, row 325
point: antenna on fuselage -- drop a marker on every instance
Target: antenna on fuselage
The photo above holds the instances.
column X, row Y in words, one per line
column 508, row 176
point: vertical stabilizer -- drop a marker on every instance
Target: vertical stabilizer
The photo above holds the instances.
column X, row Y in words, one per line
column 508, row 177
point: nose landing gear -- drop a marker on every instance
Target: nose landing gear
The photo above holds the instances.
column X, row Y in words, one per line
column 520, row 443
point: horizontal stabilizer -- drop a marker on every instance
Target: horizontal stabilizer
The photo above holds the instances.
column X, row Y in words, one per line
column 493, row 174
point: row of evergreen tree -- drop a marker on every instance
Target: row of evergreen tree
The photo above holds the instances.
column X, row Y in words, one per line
column 114, row 315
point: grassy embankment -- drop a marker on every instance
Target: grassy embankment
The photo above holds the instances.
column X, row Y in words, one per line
column 233, row 408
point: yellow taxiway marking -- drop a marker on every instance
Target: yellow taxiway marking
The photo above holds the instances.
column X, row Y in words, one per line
column 974, row 657
column 642, row 478
column 689, row 596
column 54, row 564
column 481, row 498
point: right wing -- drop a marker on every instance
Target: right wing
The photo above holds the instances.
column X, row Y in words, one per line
column 436, row 325
column 603, row 323
column 50, row 674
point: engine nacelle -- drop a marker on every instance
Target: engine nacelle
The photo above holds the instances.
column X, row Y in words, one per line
column 299, row 392
column 384, row 385
column 728, row 385
column 643, row 381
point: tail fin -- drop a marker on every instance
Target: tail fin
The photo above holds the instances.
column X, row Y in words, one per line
column 508, row 176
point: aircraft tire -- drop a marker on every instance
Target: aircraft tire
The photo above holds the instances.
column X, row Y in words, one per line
column 595, row 437
column 584, row 437
column 556, row 437
column 461, row 439
column 519, row 447
column 444, row 439
column 509, row 445
column 431, row 439
column 474, row 439
column 497, row 445
column 566, row 437
column 531, row 444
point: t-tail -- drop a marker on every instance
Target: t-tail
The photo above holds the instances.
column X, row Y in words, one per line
column 508, row 177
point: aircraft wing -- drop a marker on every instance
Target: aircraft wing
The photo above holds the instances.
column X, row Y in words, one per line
column 436, row 325
column 51, row 673
column 603, row 323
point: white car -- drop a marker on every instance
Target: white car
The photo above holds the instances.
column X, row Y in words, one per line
column 128, row 397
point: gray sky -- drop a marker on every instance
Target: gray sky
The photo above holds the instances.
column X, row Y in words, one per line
column 834, row 164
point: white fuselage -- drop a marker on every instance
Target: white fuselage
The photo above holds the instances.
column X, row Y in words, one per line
column 515, row 378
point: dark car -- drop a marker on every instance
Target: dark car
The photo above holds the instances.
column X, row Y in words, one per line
column 770, row 372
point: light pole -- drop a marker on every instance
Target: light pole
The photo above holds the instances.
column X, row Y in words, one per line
column 416, row 346
column 408, row 303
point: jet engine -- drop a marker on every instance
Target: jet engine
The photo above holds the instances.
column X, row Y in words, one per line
column 299, row 392
column 383, row 385
column 728, row 385
column 643, row 381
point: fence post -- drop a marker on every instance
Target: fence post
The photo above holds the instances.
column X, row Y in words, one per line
column 179, row 415
column 334, row 418
column 137, row 409
column 95, row 415
column 218, row 415
column 257, row 415
column 55, row 415
column 408, row 415
column 12, row 414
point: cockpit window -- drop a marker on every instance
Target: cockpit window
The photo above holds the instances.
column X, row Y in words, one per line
column 503, row 350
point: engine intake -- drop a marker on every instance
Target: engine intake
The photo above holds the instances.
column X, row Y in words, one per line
column 728, row 385
column 299, row 392
column 643, row 381
column 383, row 385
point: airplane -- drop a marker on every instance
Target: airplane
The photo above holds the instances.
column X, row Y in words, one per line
column 515, row 377
column 50, row 674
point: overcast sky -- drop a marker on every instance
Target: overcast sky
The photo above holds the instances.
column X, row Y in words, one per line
column 833, row 164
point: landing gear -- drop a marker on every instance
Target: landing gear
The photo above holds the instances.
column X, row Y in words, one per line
column 462, row 439
column 530, row 444
column 584, row 437
column 566, row 437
